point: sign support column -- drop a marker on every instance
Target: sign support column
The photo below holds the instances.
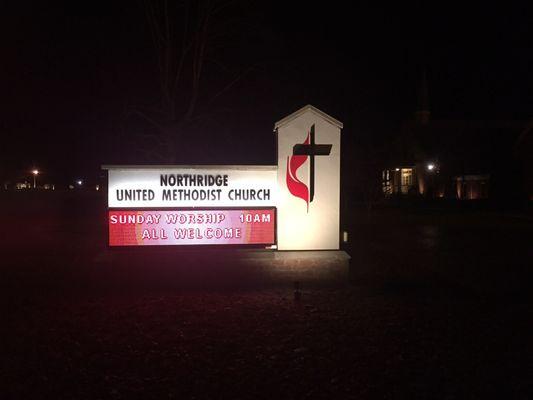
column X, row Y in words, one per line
column 308, row 180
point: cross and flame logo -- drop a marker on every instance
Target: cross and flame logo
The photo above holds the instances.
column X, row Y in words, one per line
column 300, row 154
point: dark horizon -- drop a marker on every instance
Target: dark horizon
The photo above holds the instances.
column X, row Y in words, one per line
column 70, row 71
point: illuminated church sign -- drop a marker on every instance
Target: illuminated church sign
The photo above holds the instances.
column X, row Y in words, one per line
column 293, row 205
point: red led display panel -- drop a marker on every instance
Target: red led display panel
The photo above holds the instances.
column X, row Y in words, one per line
column 192, row 227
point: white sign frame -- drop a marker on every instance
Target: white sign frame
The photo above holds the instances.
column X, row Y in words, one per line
column 216, row 186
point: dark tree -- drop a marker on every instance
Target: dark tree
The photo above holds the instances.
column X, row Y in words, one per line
column 188, row 37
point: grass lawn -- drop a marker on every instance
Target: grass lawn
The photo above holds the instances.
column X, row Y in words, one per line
column 439, row 306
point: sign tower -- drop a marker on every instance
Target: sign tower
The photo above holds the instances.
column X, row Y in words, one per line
column 308, row 180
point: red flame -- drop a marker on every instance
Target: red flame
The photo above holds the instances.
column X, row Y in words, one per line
column 295, row 186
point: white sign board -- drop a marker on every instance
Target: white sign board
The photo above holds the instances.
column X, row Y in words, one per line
column 192, row 186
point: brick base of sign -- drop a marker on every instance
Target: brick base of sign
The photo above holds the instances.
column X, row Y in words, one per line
column 302, row 265
column 215, row 268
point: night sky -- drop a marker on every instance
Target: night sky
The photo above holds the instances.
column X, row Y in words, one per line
column 69, row 70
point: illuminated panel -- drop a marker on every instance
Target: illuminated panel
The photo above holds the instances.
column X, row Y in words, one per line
column 200, row 186
column 191, row 227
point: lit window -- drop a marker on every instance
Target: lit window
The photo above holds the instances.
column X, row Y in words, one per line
column 386, row 183
column 407, row 179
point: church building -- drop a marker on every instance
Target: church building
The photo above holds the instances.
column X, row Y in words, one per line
column 448, row 158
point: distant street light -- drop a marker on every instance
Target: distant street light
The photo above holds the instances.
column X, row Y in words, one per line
column 79, row 182
column 431, row 167
column 35, row 172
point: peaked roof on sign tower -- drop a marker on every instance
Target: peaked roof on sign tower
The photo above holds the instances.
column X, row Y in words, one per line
column 303, row 110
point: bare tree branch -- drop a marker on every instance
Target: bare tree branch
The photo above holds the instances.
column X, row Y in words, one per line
column 184, row 34
column 230, row 85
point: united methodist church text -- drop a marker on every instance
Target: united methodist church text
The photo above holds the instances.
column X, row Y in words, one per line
column 187, row 187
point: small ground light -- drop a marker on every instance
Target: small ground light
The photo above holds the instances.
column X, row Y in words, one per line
column 79, row 182
column 345, row 236
column 297, row 293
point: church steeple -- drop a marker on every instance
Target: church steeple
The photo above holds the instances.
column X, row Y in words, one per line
column 422, row 113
